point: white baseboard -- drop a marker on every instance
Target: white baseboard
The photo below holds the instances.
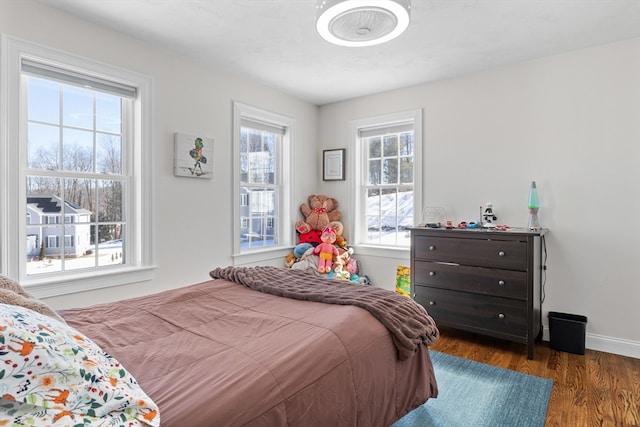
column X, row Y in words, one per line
column 607, row 344
column 613, row 345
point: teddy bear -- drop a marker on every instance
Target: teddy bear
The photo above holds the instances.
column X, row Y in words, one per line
column 326, row 250
column 320, row 211
column 306, row 234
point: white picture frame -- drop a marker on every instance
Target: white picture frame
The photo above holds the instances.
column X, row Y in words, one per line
column 333, row 165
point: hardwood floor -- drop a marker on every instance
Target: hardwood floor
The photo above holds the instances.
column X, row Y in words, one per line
column 594, row 389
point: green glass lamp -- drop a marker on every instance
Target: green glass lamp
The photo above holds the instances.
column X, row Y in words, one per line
column 534, row 205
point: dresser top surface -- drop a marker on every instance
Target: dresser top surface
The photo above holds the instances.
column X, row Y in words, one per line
column 513, row 231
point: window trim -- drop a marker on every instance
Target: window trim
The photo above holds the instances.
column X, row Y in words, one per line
column 358, row 165
column 140, row 196
column 285, row 172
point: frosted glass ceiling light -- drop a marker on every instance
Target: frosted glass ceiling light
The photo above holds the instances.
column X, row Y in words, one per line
column 357, row 23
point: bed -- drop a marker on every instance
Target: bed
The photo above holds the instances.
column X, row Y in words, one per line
column 265, row 346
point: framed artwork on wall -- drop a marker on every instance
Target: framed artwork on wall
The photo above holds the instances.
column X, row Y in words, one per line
column 333, row 165
column 193, row 156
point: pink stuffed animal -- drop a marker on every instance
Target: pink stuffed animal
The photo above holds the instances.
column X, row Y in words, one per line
column 326, row 250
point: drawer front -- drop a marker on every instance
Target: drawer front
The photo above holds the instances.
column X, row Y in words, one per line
column 487, row 281
column 475, row 311
column 509, row 254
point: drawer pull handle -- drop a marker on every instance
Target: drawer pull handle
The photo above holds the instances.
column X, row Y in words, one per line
column 501, row 315
column 501, row 282
column 432, row 248
column 432, row 303
column 501, row 253
column 432, row 273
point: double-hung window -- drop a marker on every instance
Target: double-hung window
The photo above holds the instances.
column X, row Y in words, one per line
column 388, row 153
column 262, row 146
column 78, row 165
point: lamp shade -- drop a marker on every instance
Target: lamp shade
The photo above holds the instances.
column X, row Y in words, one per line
column 357, row 23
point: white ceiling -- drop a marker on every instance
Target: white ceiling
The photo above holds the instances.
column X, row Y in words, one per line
column 275, row 41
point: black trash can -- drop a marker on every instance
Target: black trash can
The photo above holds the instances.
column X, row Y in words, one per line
column 567, row 332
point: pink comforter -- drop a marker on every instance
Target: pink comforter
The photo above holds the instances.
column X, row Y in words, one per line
column 220, row 354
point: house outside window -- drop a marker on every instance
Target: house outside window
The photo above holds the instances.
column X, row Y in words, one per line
column 79, row 127
column 262, row 148
column 388, row 178
column 77, row 222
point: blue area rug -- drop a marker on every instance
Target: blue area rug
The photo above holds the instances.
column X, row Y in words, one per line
column 476, row 394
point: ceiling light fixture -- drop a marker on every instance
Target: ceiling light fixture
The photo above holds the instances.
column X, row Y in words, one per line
column 356, row 23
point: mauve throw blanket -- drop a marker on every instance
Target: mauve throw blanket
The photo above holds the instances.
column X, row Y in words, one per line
column 408, row 321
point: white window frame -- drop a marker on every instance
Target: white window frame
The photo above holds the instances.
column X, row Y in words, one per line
column 284, row 173
column 359, row 166
column 140, row 265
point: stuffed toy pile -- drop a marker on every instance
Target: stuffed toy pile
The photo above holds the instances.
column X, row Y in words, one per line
column 321, row 246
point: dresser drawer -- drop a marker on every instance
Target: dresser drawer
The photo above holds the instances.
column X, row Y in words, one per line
column 473, row 311
column 487, row 281
column 509, row 254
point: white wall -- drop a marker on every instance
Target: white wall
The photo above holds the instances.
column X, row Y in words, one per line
column 192, row 217
column 571, row 123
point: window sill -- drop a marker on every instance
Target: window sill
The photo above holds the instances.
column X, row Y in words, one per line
column 51, row 287
column 262, row 255
column 382, row 251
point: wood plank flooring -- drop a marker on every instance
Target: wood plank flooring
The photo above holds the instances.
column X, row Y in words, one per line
column 594, row 389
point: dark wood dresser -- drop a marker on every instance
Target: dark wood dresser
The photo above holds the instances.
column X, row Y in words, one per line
column 483, row 281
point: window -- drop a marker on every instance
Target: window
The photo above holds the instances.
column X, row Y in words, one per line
column 388, row 178
column 52, row 241
column 77, row 170
column 262, row 146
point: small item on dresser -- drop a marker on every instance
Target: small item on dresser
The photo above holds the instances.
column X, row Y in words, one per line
column 433, row 215
column 488, row 216
column 534, row 206
column 463, row 224
column 432, row 225
column 449, row 225
column 472, row 225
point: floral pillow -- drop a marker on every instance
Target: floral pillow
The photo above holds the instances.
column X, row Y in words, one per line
column 51, row 374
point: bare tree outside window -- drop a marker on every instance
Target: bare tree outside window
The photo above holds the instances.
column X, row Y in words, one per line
column 75, row 168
